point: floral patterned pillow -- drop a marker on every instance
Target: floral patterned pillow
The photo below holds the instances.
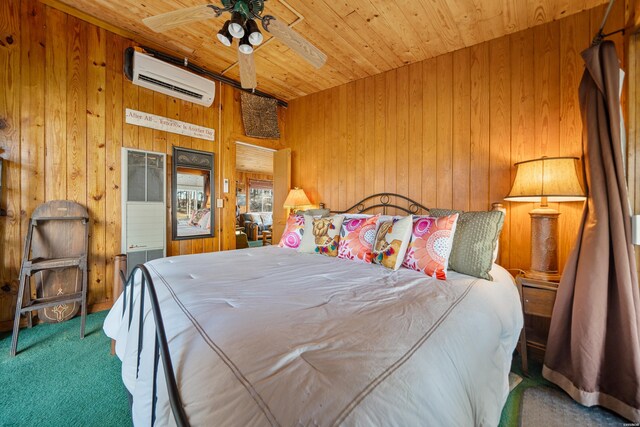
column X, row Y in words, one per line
column 431, row 243
column 293, row 231
column 356, row 239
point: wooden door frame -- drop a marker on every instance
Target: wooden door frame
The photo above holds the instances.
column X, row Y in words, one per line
column 228, row 212
column 279, row 212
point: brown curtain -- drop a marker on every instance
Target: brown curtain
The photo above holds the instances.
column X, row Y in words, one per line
column 593, row 351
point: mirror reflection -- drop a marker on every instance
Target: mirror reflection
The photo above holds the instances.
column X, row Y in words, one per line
column 193, row 208
column 192, row 192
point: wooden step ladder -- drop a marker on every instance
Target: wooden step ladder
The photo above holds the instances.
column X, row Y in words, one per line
column 57, row 240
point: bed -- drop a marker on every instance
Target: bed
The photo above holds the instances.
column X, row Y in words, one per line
column 303, row 339
column 186, row 229
column 198, row 224
column 307, row 340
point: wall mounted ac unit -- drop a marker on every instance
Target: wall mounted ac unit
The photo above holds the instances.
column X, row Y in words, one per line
column 147, row 71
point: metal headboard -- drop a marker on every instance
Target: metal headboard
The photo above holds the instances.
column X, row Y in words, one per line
column 384, row 201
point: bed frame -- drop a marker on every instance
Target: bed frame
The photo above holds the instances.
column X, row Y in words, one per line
column 161, row 348
column 386, row 201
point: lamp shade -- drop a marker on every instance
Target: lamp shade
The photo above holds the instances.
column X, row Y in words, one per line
column 244, row 46
column 224, row 36
column 555, row 178
column 255, row 36
column 296, row 198
column 236, row 26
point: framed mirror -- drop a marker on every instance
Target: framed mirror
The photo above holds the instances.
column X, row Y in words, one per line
column 192, row 191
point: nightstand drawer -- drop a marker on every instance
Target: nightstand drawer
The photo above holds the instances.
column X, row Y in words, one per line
column 538, row 302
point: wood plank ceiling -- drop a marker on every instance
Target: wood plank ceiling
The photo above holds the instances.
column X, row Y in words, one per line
column 361, row 37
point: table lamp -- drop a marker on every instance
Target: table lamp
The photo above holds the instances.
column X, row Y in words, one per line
column 543, row 180
column 296, row 199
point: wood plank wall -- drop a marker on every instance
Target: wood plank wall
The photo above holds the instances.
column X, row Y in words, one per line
column 62, row 103
column 447, row 131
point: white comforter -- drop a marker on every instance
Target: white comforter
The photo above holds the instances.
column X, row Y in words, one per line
column 268, row 336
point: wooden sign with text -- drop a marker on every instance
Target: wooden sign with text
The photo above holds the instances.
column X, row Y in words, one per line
column 152, row 121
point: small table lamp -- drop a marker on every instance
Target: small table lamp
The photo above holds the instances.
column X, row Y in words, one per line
column 548, row 179
column 296, row 198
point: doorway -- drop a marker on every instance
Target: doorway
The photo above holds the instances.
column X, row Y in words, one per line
column 254, row 194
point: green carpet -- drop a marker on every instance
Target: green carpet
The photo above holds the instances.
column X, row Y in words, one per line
column 57, row 379
column 255, row 243
column 511, row 411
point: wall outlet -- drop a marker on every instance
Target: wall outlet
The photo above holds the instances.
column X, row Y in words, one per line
column 220, row 203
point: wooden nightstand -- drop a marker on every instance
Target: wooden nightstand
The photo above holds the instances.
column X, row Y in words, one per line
column 537, row 299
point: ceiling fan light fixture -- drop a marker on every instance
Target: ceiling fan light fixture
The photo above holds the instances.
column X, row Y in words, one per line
column 245, row 46
column 255, row 36
column 235, row 27
column 224, row 36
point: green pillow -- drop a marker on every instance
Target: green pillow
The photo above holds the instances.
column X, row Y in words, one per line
column 437, row 213
column 317, row 213
column 474, row 241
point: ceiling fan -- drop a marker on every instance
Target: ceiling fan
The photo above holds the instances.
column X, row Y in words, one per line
column 242, row 26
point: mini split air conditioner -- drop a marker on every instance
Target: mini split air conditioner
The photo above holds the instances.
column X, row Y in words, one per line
column 151, row 73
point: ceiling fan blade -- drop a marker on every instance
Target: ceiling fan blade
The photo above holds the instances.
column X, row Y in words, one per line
column 295, row 42
column 180, row 17
column 247, row 70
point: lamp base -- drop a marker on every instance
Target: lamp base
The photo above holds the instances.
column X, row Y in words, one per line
column 544, row 245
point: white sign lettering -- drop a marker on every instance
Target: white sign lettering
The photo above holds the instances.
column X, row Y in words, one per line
column 152, row 121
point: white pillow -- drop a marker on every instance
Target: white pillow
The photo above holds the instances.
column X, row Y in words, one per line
column 316, row 213
column 205, row 221
column 321, row 235
column 357, row 216
column 391, row 241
